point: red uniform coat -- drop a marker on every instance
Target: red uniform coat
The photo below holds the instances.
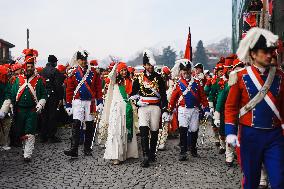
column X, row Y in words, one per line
column 90, row 90
column 243, row 91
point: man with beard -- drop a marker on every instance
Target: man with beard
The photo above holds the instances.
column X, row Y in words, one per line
column 28, row 97
column 149, row 92
column 254, row 111
column 54, row 88
column 83, row 99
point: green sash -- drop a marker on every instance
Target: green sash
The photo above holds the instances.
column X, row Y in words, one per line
column 129, row 113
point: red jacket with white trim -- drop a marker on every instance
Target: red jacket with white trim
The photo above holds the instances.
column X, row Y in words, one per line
column 91, row 89
column 244, row 89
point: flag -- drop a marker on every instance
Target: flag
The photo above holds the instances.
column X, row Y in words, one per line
column 188, row 48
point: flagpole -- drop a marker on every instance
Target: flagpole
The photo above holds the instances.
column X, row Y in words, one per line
column 28, row 38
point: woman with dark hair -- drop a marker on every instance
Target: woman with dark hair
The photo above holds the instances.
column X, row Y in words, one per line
column 118, row 114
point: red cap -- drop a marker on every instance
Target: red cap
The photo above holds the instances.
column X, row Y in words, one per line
column 166, row 70
column 111, row 65
column 120, row 66
column 30, row 55
column 16, row 67
column 94, row 63
column 39, row 69
column 3, row 74
column 237, row 62
column 131, row 69
column 61, row 68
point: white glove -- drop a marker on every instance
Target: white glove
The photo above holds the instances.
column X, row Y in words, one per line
column 208, row 114
column 233, row 140
column 100, row 108
column 2, row 114
column 142, row 104
column 39, row 108
column 166, row 117
column 134, row 97
column 69, row 111
column 217, row 122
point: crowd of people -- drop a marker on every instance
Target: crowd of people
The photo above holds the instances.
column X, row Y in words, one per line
column 243, row 97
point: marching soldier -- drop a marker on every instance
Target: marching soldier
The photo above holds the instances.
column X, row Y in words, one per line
column 28, row 97
column 83, row 99
column 149, row 92
column 255, row 111
column 212, row 89
column 189, row 95
column 219, row 116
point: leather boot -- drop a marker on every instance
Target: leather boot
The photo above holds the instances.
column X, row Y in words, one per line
column 183, row 143
column 194, row 136
column 153, row 145
column 144, row 132
column 73, row 151
column 89, row 135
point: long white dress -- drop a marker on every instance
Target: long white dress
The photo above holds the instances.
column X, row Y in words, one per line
column 117, row 147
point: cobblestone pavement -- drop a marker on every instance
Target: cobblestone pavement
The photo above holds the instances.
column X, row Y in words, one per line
column 51, row 169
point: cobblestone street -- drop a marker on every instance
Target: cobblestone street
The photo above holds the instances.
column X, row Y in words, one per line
column 51, row 169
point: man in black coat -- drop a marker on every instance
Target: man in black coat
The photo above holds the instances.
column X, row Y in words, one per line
column 54, row 87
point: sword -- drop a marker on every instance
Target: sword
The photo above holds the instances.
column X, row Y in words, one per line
column 162, row 130
column 204, row 123
column 97, row 121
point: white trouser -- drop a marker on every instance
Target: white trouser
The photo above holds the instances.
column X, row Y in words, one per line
column 229, row 153
column 29, row 144
column 188, row 117
column 82, row 110
column 150, row 116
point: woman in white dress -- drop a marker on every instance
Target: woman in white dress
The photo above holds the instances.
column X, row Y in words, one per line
column 121, row 141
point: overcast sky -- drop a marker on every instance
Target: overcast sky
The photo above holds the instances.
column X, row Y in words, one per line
column 104, row 27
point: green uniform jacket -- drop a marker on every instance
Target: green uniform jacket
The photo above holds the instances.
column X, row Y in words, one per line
column 26, row 100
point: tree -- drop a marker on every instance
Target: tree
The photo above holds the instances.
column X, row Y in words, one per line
column 168, row 57
column 200, row 55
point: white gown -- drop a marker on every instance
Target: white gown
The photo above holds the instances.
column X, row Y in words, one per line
column 117, row 147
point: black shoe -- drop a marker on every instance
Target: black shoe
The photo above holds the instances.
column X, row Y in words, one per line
column 71, row 153
column 222, row 151
column 144, row 132
column 194, row 152
column 27, row 160
column 145, row 163
column 183, row 157
column 262, row 187
column 55, row 140
column 229, row 164
column 153, row 145
column 152, row 158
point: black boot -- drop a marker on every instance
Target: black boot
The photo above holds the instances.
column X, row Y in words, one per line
column 89, row 135
column 144, row 132
column 153, row 145
column 194, row 136
column 183, row 143
column 73, row 152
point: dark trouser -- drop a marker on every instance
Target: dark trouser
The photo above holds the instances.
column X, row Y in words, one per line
column 88, row 135
column 262, row 146
column 49, row 121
